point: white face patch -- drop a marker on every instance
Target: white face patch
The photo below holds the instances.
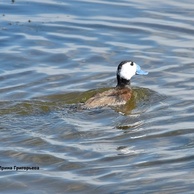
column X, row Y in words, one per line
column 127, row 70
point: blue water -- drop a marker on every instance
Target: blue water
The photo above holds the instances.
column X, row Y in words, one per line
column 53, row 55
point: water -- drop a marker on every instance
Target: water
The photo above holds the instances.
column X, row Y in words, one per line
column 54, row 54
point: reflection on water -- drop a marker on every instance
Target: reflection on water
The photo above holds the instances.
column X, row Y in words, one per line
column 141, row 99
column 55, row 55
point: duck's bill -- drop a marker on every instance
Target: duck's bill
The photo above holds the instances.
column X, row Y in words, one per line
column 139, row 71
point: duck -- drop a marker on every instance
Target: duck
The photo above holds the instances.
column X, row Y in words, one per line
column 120, row 94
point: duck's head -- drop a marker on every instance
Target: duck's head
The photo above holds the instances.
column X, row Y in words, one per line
column 126, row 70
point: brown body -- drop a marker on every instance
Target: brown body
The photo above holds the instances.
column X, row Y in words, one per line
column 113, row 97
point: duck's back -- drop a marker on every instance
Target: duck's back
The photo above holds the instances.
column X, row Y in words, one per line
column 112, row 97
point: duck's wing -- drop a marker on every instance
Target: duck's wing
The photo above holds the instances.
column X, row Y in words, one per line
column 112, row 97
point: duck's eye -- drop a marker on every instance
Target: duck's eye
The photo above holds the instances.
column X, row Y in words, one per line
column 132, row 63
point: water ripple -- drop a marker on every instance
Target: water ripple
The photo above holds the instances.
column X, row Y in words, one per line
column 54, row 55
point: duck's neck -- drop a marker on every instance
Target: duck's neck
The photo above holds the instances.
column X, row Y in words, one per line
column 122, row 82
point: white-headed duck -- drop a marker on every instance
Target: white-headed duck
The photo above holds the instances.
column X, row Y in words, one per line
column 122, row 92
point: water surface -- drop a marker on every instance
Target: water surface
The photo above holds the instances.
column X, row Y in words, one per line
column 54, row 55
